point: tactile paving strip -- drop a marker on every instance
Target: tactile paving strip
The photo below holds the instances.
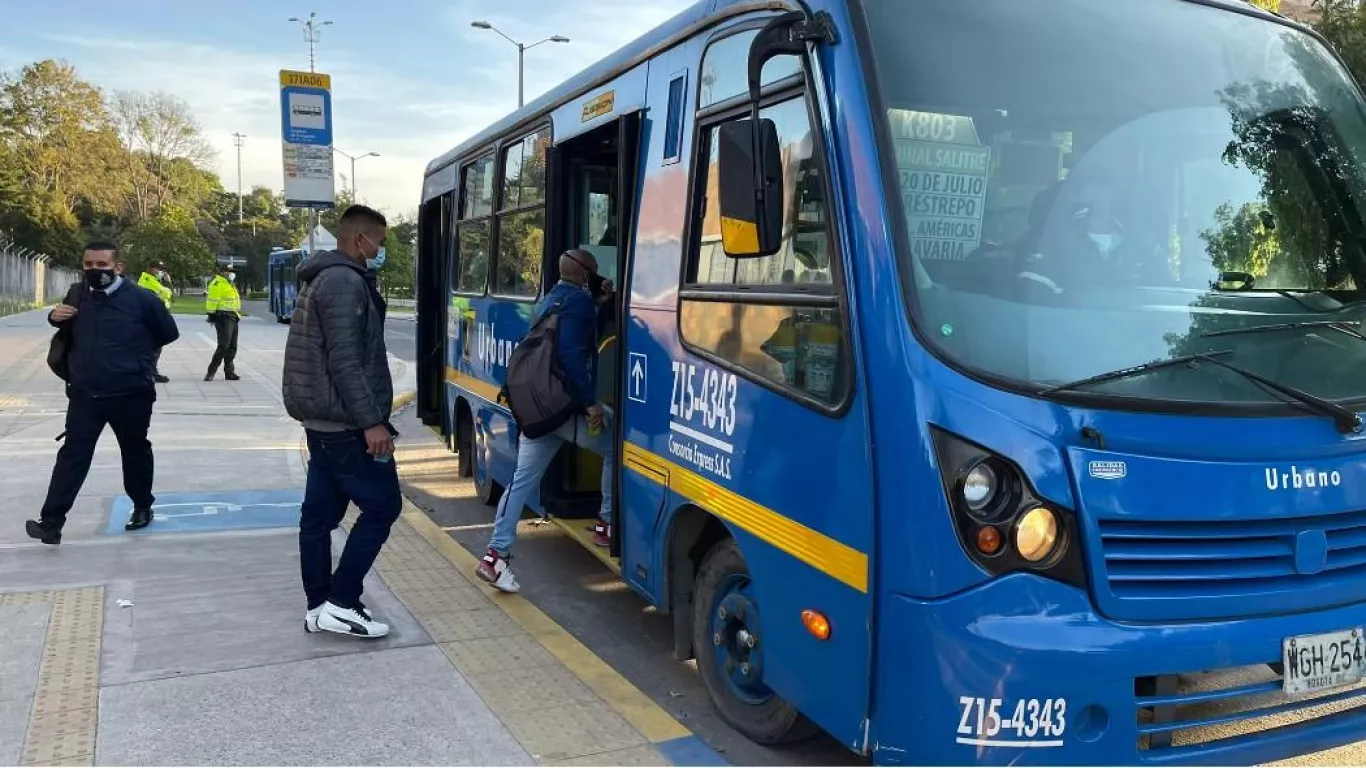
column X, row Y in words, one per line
column 65, row 713
column 551, row 712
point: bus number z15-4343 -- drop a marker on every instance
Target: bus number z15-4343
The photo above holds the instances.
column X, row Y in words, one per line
column 710, row 397
column 998, row 723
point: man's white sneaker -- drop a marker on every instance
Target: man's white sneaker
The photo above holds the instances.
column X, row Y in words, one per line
column 311, row 620
column 495, row 570
column 356, row 622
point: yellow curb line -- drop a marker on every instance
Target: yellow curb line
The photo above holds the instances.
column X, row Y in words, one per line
column 653, row 722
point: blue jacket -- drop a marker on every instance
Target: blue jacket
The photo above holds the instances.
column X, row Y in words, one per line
column 114, row 340
column 577, row 343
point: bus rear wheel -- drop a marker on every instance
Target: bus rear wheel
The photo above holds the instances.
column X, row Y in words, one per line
column 728, row 636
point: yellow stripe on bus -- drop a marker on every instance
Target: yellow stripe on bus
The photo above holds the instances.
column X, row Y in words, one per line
column 478, row 386
column 837, row 560
column 833, row 558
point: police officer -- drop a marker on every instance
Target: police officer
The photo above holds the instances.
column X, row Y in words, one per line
column 224, row 307
column 154, row 279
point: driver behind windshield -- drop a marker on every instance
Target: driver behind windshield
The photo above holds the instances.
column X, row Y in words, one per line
column 1080, row 241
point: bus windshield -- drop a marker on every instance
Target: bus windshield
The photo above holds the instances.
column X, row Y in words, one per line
column 1093, row 186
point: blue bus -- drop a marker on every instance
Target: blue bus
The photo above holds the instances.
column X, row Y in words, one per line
column 283, row 284
column 1052, row 312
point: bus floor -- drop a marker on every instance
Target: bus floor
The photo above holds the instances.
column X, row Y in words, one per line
column 569, row 579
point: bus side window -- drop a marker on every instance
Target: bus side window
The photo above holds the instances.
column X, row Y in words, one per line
column 469, row 273
column 798, row 345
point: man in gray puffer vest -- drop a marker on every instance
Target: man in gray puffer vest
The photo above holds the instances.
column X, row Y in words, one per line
column 337, row 384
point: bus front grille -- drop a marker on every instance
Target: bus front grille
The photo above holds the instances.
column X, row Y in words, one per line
column 1178, row 570
column 1189, row 710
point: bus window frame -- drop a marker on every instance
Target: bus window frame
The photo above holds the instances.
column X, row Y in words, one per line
column 501, row 147
column 459, row 207
column 799, row 86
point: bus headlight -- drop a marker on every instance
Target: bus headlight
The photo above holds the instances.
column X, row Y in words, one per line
column 1003, row 524
column 980, row 487
column 1036, row 535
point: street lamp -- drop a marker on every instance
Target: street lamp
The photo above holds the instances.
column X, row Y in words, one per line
column 311, row 35
column 353, row 160
column 521, row 54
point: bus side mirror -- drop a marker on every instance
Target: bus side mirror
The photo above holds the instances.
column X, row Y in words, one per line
column 750, row 188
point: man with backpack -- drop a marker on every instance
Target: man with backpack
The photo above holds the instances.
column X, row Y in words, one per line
column 110, row 332
column 552, row 396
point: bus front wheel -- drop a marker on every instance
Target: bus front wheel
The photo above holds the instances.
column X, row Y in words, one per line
column 728, row 635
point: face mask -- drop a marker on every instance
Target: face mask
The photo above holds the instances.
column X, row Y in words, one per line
column 1105, row 243
column 100, row 279
column 378, row 261
column 595, row 282
column 161, row 275
column 232, row 278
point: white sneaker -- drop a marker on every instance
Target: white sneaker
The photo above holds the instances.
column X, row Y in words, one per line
column 350, row 621
column 495, row 570
column 311, row 620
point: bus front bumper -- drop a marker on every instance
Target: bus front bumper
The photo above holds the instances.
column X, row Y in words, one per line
column 1022, row 670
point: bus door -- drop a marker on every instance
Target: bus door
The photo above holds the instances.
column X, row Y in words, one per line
column 599, row 175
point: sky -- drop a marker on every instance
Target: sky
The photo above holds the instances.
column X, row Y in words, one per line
column 410, row 78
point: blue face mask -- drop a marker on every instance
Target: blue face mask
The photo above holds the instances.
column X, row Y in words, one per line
column 377, row 262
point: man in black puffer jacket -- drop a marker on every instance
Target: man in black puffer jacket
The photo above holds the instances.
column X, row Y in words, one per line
column 337, row 384
column 117, row 331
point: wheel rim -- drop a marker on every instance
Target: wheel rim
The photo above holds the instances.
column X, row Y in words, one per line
column 477, row 444
column 737, row 640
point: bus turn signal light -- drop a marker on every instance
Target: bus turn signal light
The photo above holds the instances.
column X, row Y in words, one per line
column 989, row 540
column 816, row 624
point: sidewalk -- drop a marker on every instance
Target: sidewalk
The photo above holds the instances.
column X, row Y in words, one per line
column 183, row 643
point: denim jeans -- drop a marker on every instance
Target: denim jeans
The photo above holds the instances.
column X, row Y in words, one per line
column 341, row 472
column 533, row 459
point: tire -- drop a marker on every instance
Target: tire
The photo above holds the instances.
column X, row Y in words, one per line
column 756, row 712
column 485, row 487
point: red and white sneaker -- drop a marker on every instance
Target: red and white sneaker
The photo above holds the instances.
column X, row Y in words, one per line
column 602, row 533
column 495, row 570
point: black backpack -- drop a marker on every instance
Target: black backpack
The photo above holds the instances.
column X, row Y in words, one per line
column 59, row 349
column 536, row 390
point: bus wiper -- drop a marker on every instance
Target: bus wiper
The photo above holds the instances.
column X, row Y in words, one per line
column 1333, row 325
column 1345, row 419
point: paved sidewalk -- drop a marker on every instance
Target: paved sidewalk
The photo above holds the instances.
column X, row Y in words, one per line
column 183, row 643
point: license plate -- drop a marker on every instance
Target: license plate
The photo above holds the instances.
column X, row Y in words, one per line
column 1316, row 663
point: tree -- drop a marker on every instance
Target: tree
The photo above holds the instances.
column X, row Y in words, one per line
column 400, row 256
column 172, row 238
column 57, row 148
column 163, row 148
column 1343, row 24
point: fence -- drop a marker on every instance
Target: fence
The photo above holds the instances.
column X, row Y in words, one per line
column 27, row 281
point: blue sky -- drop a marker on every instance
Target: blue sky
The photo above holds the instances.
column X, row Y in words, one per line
column 411, row 78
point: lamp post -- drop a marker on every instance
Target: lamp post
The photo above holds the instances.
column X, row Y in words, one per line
column 311, row 31
column 521, row 54
column 353, row 159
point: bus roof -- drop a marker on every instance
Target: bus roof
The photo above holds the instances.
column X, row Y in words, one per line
column 661, row 38
column 687, row 23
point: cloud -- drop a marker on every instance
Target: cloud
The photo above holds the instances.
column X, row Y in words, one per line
column 407, row 114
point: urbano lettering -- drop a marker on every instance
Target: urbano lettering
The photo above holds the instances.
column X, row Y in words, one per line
column 1298, row 479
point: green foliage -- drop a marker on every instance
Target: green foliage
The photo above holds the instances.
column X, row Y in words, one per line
column 172, row 238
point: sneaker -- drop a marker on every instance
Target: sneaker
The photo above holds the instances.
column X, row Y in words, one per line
column 208, row 376
column 495, row 570
column 162, row 379
column 356, row 622
column 311, row 620
column 232, row 377
column 37, row 530
column 602, row 534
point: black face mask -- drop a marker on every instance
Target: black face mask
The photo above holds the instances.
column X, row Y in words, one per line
column 100, row 279
column 595, row 282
